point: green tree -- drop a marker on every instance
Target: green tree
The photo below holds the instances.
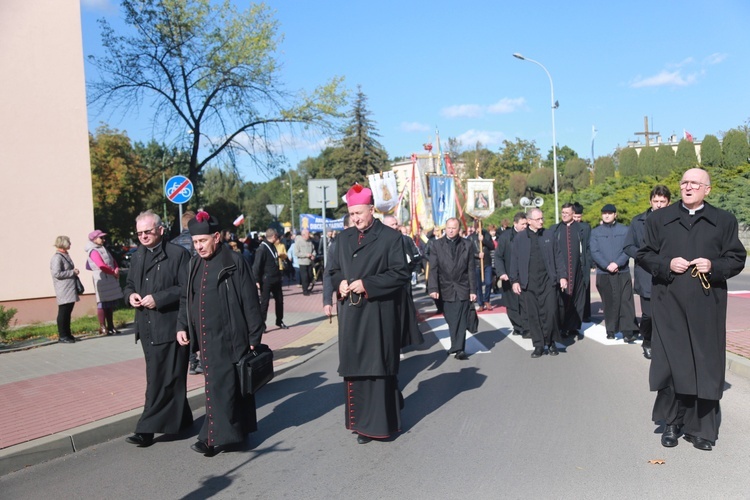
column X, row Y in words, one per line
column 685, row 157
column 564, row 154
column 575, row 175
column 664, row 161
column 647, row 161
column 517, row 186
column 541, row 180
column 734, row 150
column 604, row 168
column 710, row 151
column 358, row 153
column 628, row 159
column 208, row 68
column 519, row 156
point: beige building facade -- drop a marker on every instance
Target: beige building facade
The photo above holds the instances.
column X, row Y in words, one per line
column 44, row 167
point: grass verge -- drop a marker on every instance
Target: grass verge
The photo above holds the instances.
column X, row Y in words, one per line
column 79, row 326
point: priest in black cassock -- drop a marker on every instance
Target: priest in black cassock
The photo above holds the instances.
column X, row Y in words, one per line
column 220, row 316
column 570, row 241
column 369, row 274
column 691, row 249
column 158, row 274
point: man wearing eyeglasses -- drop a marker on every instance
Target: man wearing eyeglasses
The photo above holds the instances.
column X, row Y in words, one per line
column 158, row 273
column 535, row 274
column 691, row 249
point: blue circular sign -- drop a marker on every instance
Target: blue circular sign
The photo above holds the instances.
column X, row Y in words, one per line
column 178, row 189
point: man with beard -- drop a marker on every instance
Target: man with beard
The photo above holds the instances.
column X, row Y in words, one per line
column 534, row 274
column 220, row 315
column 157, row 276
column 503, row 252
column 369, row 272
column 691, row 249
column 659, row 198
column 452, row 266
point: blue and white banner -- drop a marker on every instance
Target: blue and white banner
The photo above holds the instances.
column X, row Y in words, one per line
column 442, row 196
column 314, row 223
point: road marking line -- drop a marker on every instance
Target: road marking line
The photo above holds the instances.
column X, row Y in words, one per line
column 439, row 328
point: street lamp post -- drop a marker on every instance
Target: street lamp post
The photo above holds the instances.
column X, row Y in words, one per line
column 554, row 141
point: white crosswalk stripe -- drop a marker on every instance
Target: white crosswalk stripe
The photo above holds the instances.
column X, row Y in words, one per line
column 439, row 327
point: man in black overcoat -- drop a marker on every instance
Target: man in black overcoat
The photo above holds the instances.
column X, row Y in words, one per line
column 369, row 273
column 513, row 303
column 587, row 262
column 268, row 277
column 691, row 249
column 157, row 276
column 570, row 241
column 659, row 198
column 220, row 316
column 535, row 277
column 452, row 279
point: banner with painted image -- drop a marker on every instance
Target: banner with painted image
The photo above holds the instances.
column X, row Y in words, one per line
column 314, row 223
column 480, row 197
column 442, row 195
column 384, row 191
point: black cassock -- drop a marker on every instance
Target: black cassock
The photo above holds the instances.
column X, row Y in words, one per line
column 689, row 321
column 371, row 326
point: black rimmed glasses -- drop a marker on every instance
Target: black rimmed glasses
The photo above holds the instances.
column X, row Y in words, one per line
column 147, row 232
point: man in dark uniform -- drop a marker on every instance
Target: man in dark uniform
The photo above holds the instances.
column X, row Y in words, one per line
column 268, row 277
column 534, row 274
column 370, row 272
column 157, row 276
column 569, row 241
column 220, row 315
column 691, row 249
column 484, row 247
column 587, row 263
column 452, row 279
column 659, row 198
column 512, row 302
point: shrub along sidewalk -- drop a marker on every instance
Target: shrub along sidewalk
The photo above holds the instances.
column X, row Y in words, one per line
column 85, row 325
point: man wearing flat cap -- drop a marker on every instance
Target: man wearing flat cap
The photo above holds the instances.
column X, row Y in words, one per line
column 220, row 316
column 369, row 272
column 613, row 275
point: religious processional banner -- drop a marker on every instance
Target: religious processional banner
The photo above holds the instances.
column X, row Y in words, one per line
column 442, row 195
column 384, row 191
column 314, row 223
column 480, row 197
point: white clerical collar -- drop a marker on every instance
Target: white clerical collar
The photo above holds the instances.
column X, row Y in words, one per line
column 692, row 211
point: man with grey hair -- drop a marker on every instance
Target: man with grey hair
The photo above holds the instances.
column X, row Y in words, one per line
column 157, row 276
column 268, row 277
column 305, row 252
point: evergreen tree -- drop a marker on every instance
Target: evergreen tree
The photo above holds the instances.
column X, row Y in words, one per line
column 359, row 153
column 686, row 157
column 647, row 161
column 710, row 151
column 575, row 175
column 541, row 180
column 628, row 162
column 734, row 149
column 664, row 161
column 604, row 168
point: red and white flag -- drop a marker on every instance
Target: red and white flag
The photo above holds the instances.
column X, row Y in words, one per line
column 687, row 135
column 238, row 221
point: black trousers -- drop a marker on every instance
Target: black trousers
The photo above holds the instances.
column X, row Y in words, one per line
column 456, row 315
column 541, row 309
column 515, row 308
column 646, row 325
column 267, row 290
column 305, row 278
column 64, row 311
column 616, row 291
column 572, row 305
column 698, row 417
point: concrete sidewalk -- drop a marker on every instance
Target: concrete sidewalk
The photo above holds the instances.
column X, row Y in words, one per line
column 60, row 398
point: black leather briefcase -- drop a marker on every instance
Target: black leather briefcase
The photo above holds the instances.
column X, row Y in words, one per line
column 255, row 369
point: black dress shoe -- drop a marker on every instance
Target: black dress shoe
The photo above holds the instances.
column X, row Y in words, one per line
column 700, row 443
column 201, row 447
column 282, row 325
column 647, row 352
column 363, row 439
column 526, row 335
column 142, row 439
column 670, row 437
column 67, row 340
column 461, row 355
column 538, row 351
column 610, row 335
column 553, row 350
column 113, row 331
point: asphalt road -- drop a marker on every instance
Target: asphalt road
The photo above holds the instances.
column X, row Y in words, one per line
column 500, row 425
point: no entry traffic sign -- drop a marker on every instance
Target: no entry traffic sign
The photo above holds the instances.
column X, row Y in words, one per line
column 178, row 189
